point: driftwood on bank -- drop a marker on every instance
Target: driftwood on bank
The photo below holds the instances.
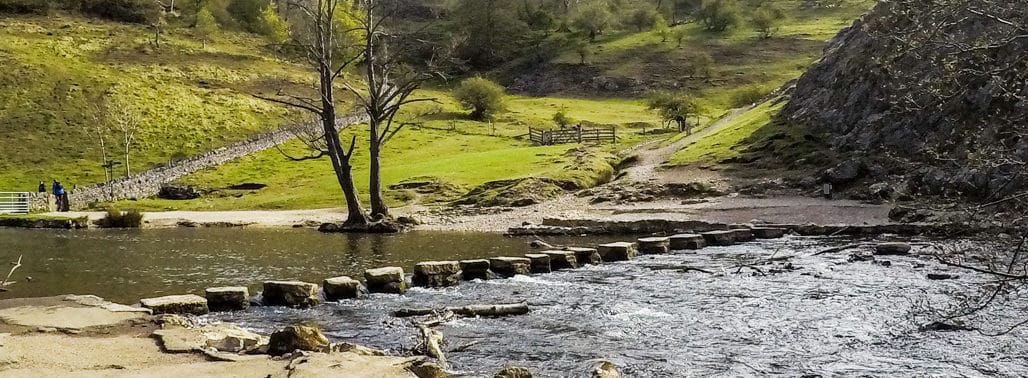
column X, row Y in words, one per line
column 6, row 282
column 838, row 249
column 472, row 310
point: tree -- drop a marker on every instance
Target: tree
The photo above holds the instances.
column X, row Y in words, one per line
column 679, row 32
column 272, row 26
column 662, row 29
column 766, row 19
column 592, row 19
column 482, row 97
column 121, row 119
column 674, row 107
column 643, row 18
column 328, row 50
column 206, row 25
column 158, row 26
column 390, row 86
column 718, row 15
column 562, row 119
column 584, row 51
column 487, row 32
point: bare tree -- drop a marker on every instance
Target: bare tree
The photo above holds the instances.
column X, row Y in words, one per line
column 390, row 85
column 122, row 119
column 319, row 30
column 100, row 128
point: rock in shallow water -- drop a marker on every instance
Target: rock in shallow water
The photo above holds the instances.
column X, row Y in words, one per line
column 233, row 298
column 290, row 294
column 654, row 245
column 539, row 263
column 388, row 280
column 510, row 266
column 682, row 242
column 176, row 304
column 297, row 337
column 436, row 274
column 474, row 269
column 562, row 259
column 337, row 288
column 586, row 255
column 616, row 251
column 513, row 372
column 892, row 249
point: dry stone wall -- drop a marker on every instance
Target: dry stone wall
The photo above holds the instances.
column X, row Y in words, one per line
column 148, row 183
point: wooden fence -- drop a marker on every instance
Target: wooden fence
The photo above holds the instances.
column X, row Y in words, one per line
column 571, row 135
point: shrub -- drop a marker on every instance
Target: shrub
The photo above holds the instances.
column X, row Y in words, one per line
column 766, row 19
column 748, row 95
column 562, row 119
column 135, row 11
column 482, row 97
column 643, row 18
column 117, row 219
column 24, row 6
column 718, row 15
column 272, row 26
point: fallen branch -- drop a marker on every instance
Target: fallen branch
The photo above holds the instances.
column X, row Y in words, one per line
column 472, row 310
column 5, row 282
column 433, row 340
column 838, row 249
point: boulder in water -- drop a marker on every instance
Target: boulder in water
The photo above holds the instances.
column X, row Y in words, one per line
column 510, row 266
column 621, row 251
column 232, row 298
column 654, row 245
column 683, row 242
column 539, row 263
column 337, row 288
column 387, row 280
column 562, row 259
column 721, row 238
column 176, row 304
column 474, row 269
column 892, row 249
column 290, row 294
column 605, row 369
column 768, row 232
column 513, row 372
column 586, row 255
column 297, row 337
column 436, row 274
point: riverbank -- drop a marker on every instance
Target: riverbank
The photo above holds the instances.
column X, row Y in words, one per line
column 85, row 336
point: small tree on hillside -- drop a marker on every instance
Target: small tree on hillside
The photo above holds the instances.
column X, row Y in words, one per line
column 124, row 121
column 562, row 119
column 674, row 107
column 718, row 15
column 206, row 25
column 482, row 97
column 679, row 33
column 662, row 29
column 272, row 26
column 592, row 19
column 584, row 51
column 643, row 18
column 766, row 20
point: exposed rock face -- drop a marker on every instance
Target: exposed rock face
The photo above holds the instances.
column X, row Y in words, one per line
column 936, row 110
column 655, row 245
column 586, row 255
column 510, row 266
column 474, row 269
column 337, row 288
column 290, row 294
column 177, row 304
column 436, row 274
column 388, row 280
column 232, row 298
column 687, row 242
column 622, row 251
column 562, row 259
column 297, row 337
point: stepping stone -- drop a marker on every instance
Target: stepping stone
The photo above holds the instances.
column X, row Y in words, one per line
column 742, row 235
column 683, row 242
column 892, row 249
column 510, row 266
column 768, row 232
column 388, row 280
column 474, row 269
column 290, row 294
column 621, row 251
column 655, row 245
column 232, row 298
column 721, row 238
column 586, row 255
column 436, row 274
column 562, row 259
column 540, row 263
column 176, row 304
column 343, row 287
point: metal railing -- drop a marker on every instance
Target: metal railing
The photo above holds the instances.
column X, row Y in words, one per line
column 14, row 202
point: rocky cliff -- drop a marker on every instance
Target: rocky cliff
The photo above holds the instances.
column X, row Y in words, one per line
column 931, row 95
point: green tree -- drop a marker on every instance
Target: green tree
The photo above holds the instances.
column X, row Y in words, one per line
column 562, row 119
column 584, row 51
column 592, row 19
column 487, row 32
column 206, row 25
column 643, row 18
column 247, row 12
column 674, row 107
column 766, row 20
column 679, row 33
column 273, row 27
column 718, row 15
column 482, row 97
column 662, row 29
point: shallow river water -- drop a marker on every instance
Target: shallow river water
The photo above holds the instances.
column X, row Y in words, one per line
column 828, row 316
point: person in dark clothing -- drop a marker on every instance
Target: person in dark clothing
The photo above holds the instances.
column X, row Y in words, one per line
column 42, row 187
column 61, row 195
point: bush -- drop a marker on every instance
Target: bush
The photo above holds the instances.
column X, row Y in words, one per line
column 117, row 219
column 135, row 11
column 718, row 15
column 748, row 95
column 482, row 97
column 766, row 19
column 24, row 6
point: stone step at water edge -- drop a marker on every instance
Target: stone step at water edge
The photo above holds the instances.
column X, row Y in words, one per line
column 719, row 238
column 387, row 280
column 297, row 294
column 539, row 263
column 586, row 256
column 343, row 287
column 560, row 260
column 176, row 304
column 230, row 298
column 654, row 245
column 510, row 266
column 768, row 232
column 475, row 269
column 742, row 235
column 621, row 251
column 436, row 274
column 683, row 242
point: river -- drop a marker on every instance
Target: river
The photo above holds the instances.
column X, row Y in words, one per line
column 827, row 316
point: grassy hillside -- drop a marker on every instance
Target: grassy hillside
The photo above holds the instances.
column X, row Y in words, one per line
column 188, row 99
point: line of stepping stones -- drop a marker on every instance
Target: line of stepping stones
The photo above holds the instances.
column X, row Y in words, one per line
column 391, row 280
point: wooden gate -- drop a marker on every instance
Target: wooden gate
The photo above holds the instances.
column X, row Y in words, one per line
column 14, row 203
column 572, row 135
